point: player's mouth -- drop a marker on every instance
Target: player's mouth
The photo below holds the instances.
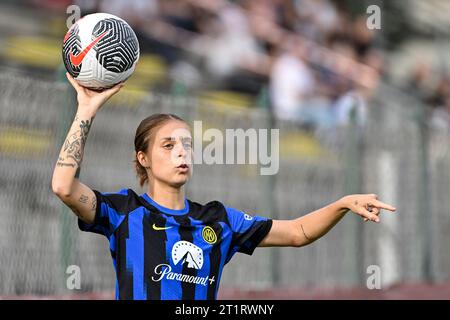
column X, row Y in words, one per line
column 183, row 168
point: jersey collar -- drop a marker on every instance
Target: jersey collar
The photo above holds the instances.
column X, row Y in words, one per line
column 164, row 209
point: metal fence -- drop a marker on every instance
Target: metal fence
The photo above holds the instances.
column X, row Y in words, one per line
column 395, row 154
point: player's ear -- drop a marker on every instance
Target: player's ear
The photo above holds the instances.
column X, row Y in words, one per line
column 143, row 159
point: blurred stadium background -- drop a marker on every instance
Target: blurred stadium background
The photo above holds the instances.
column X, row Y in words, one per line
column 358, row 110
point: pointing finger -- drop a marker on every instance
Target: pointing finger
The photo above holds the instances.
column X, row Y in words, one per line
column 382, row 205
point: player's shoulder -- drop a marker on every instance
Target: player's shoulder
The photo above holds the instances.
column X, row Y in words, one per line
column 209, row 207
column 124, row 200
column 212, row 211
column 120, row 194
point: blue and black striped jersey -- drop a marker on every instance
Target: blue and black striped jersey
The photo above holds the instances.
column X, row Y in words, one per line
column 164, row 254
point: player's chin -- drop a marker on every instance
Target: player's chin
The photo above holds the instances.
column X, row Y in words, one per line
column 179, row 180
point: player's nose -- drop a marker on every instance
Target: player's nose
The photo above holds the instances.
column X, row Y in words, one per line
column 181, row 151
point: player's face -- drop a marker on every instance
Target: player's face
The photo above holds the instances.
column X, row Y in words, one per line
column 171, row 154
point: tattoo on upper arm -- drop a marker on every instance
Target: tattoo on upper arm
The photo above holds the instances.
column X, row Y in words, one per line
column 94, row 203
column 83, row 199
column 307, row 238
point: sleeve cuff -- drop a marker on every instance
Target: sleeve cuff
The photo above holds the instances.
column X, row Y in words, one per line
column 250, row 245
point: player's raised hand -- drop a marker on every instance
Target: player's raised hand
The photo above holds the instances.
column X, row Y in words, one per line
column 367, row 206
column 91, row 99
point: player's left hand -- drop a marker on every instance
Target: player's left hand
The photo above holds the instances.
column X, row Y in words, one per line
column 91, row 99
column 367, row 206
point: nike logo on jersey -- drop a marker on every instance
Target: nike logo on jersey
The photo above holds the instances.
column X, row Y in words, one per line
column 160, row 228
column 76, row 60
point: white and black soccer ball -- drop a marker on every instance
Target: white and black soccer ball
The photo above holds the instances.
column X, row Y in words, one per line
column 100, row 50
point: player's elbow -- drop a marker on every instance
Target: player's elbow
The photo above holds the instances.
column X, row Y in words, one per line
column 300, row 241
column 61, row 191
column 297, row 241
column 299, row 238
column 61, row 187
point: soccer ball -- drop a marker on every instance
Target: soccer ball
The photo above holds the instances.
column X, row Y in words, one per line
column 100, row 50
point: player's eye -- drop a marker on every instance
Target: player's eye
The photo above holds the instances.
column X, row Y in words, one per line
column 187, row 145
column 168, row 146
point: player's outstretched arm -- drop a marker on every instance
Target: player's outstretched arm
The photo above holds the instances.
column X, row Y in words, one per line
column 308, row 228
column 79, row 197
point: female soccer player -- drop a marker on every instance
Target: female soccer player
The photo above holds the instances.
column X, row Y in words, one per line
column 165, row 246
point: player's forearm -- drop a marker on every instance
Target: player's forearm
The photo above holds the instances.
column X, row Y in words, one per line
column 317, row 223
column 71, row 154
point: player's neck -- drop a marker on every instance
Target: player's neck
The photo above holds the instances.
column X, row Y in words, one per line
column 167, row 196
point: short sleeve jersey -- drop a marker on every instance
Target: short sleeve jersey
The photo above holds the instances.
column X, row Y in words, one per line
column 164, row 254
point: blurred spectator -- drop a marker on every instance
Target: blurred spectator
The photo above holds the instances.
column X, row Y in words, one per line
column 135, row 12
column 417, row 83
column 292, row 83
column 441, row 94
column 352, row 106
column 363, row 38
column 440, row 117
column 315, row 18
column 436, row 99
column 336, row 85
column 225, row 46
column 293, row 89
column 88, row 6
column 439, row 103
